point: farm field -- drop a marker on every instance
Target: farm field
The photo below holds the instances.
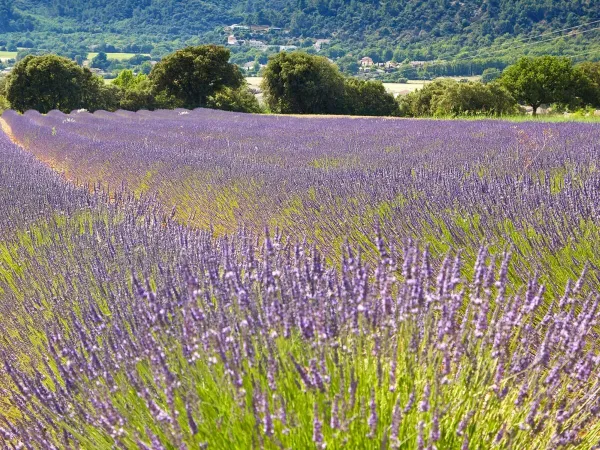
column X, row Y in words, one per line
column 393, row 88
column 205, row 279
column 5, row 56
column 117, row 56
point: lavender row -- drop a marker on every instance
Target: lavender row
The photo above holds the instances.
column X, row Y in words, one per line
column 237, row 345
column 532, row 186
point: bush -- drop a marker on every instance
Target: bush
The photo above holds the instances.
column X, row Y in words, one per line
column 490, row 75
column 4, row 104
column 368, row 98
column 238, row 100
column 450, row 98
column 473, row 98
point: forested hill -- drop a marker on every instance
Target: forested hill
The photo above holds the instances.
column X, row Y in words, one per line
column 435, row 28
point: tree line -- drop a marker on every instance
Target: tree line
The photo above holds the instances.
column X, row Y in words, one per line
column 294, row 83
column 392, row 29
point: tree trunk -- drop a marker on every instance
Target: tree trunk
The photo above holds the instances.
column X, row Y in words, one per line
column 535, row 108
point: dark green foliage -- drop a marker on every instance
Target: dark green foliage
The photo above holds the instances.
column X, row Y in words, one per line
column 11, row 20
column 589, row 83
column 52, row 82
column 348, row 65
column 238, row 100
column 193, row 74
column 100, row 61
column 415, row 30
column 419, row 103
column 298, row 83
column 369, row 98
column 542, row 80
column 452, row 98
column 100, row 95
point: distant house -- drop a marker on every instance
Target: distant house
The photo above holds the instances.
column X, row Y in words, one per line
column 256, row 44
column 232, row 40
column 391, row 65
column 285, row 48
column 319, row 43
column 366, row 61
column 249, row 66
column 417, row 64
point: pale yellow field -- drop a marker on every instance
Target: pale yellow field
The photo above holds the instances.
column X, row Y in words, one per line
column 393, row 88
column 5, row 56
column 117, row 56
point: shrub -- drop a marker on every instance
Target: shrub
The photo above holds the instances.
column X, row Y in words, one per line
column 239, row 100
column 368, row 98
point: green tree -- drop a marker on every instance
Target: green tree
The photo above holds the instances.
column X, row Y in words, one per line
column 52, row 82
column 298, row 83
column 369, row 98
column 419, row 102
column 450, row 98
column 473, row 98
column 127, row 80
column 193, row 74
column 589, row 84
column 348, row 65
column 541, row 80
column 490, row 75
column 100, row 61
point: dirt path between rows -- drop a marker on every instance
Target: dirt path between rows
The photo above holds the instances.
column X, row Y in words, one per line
column 8, row 131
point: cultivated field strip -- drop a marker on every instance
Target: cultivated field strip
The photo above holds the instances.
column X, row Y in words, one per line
column 449, row 184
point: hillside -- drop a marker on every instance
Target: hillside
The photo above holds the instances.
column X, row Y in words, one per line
column 403, row 29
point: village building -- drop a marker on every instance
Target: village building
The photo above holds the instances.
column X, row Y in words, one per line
column 232, row 40
column 366, row 61
column 256, row 44
column 417, row 64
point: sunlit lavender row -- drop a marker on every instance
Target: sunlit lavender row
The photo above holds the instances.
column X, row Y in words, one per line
column 127, row 323
column 453, row 184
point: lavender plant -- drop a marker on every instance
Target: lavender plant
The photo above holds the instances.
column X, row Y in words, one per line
column 269, row 346
column 122, row 325
column 451, row 184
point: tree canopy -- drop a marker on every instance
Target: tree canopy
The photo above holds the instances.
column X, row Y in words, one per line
column 589, row 78
column 368, row 98
column 193, row 74
column 299, row 83
column 447, row 97
column 52, row 82
column 541, row 80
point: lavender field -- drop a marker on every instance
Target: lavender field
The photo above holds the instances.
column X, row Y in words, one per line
column 203, row 279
